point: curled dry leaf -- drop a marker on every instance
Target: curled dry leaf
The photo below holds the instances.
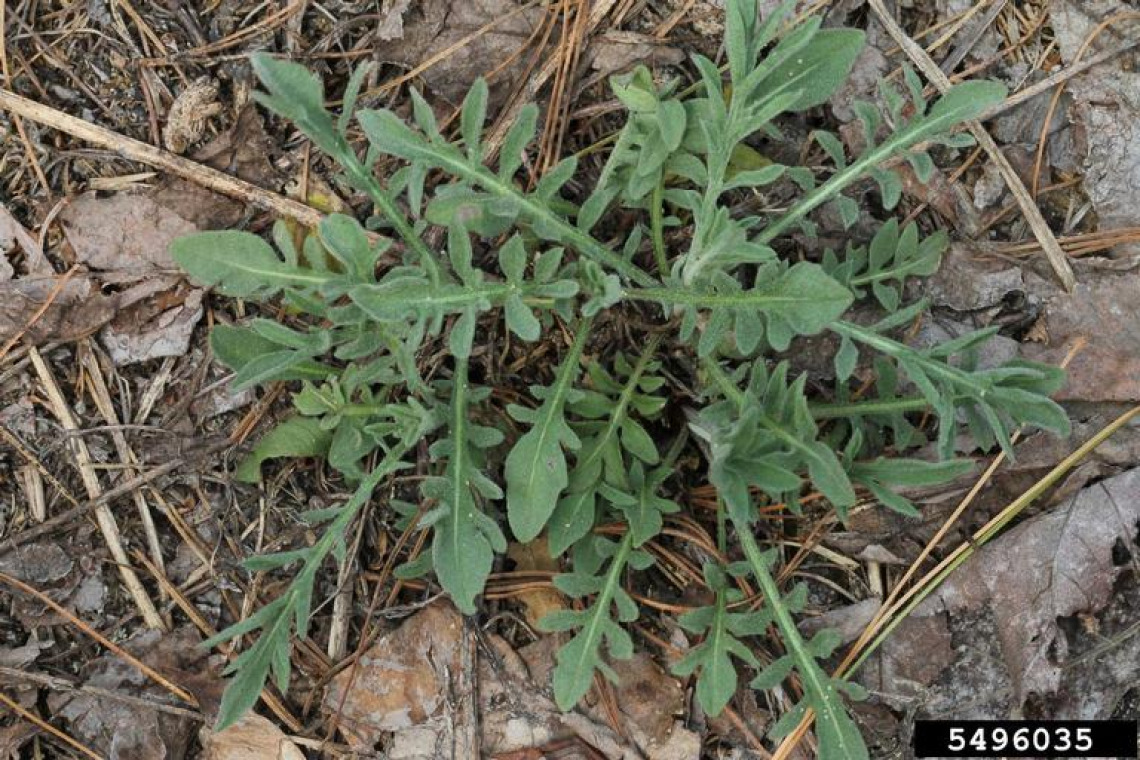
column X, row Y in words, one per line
column 190, row 113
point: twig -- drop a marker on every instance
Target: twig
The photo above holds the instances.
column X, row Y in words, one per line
column 136, row 150
column 102, row 398
column 1037, row 223
column 106, row 497
column 103, row 515
column 965, row 46
column 1056, row 78
column 57, row 288
column 123, row 654
column 31, row 717
column 64, row 684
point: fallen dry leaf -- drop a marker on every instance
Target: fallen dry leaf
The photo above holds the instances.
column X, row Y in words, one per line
column 75, row 308
column 391, row 23
column 650, row 701
column 407, row 684
column 435, row 25
column 1108, row 367
column 1106, row 104
column 13, row 236
column 615, row 52
column 402, row 680
column 251, row 738
column 1013, row 597
column 126, row 238
column 537, row 602
column 128, row 233
column 127, row 730
column 161, row 326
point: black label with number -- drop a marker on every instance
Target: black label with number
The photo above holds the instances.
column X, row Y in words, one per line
column 1025, row 738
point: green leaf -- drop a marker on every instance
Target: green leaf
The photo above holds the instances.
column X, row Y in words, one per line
column 817, row 70
column 239, row 264
column 837, row 733
column 535, row 470
column 801, row 300
column 295, row 437
column 298, row 95
column 712, row 659
column 471, row 118
column 465, row 540
column 581, row 657
column 270, row 653
column 345, row 239
column 236, row 347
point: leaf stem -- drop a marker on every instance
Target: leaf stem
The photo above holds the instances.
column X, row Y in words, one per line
column 657, row 226
column 564, row 232
column 901, row 405
column 363, row 179
column 898, row 142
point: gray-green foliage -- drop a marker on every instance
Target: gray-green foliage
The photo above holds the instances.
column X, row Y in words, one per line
column 578, row 450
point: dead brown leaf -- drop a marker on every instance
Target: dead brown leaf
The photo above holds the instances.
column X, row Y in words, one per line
column 251, row 738
column 538, row 602
column 402, row 680
column 128, row 233
column 1016, row 591
column 122, row 730
column 435, row 25
column 615, row 52
column 13, row 236
column 1106, row 108
column 408, row 683
column 1101, row 311
column 391, row 24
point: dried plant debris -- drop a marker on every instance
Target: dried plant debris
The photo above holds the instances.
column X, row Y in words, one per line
column 16, row 240
column 126, row 234
column 251, row 738
column 1102, row 313
column 391, row 23
column 432, row 26
column 404, row 696
column 189, row 114
column 1012, row 600
column 1106, row 105
column 130, row 291
column 128, row 729
column 70, row 572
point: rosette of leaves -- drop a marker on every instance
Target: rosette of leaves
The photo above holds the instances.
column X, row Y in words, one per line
column 364, row 308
